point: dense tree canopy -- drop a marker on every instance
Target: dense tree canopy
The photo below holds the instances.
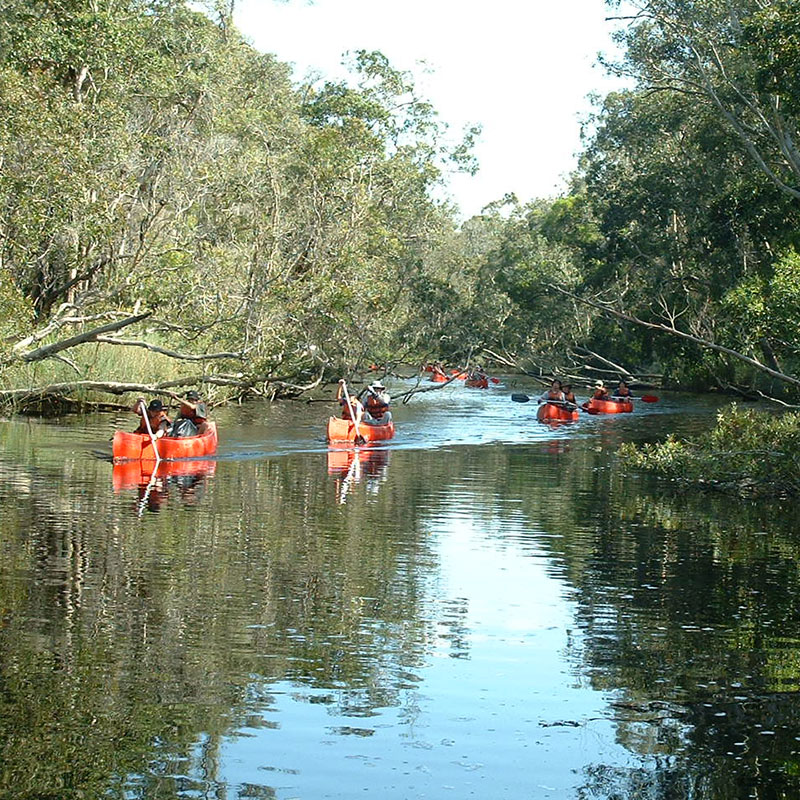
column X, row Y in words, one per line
column 161, row 176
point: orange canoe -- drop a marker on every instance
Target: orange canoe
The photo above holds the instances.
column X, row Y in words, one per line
column 477, row 383
column 137, row 446
column 608, row 406
column 548, row 412
column 437, row 377
column 343, row 430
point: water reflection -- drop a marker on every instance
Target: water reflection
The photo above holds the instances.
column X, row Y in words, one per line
column 352, row 465
column 510, row 618
column 153, row 484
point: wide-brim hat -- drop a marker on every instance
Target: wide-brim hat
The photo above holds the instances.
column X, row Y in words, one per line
column 599, row 384
column 192, row 395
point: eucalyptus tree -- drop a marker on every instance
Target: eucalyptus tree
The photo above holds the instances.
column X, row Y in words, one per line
column 738, row 58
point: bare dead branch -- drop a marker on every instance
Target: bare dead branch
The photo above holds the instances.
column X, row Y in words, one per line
column 790, row 379
column 50, row 350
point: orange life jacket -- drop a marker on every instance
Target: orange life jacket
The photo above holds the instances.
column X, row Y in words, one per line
column 160, row 421
column 374, row 406
column 346, row 407
column 600, row 394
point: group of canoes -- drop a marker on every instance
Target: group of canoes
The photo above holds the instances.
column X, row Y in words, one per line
column 558, row 403
column 365, row 417
column 475, row 378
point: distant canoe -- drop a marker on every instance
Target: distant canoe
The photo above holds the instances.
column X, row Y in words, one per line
column 138, row 447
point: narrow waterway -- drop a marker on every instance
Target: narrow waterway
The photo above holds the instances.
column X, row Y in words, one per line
column 487, row 607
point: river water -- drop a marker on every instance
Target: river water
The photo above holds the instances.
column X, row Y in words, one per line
column 487, row 607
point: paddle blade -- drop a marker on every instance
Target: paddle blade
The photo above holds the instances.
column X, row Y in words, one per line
column 649, row 398
column 587, row 410
column 518, row 397
column 495, row 380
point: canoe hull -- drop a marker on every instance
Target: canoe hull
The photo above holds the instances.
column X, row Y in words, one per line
column 477, row 383
column 609, row 406
column 547, row 412
column 138, row 447
column 343, row 430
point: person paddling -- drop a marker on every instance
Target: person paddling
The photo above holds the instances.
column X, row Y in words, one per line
column 160, row 423
column 554, row 394
column 192, row 415
column 622, row 392
column 355, row 404
column 569, row 395
column 600, row 391
column 376, row 401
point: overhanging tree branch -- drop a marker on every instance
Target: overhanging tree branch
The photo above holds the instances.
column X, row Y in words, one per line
column 781, row 376
column 164, row 351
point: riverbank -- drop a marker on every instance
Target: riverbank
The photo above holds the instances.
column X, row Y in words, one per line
column 748, row 452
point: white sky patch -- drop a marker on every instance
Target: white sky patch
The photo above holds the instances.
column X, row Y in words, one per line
column 520, row 68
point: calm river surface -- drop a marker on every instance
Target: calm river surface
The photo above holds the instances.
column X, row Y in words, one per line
column 485, row 608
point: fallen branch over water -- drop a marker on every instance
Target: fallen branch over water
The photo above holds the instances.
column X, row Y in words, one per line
column 59, row 392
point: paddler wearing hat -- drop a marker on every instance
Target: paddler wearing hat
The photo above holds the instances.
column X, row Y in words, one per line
column 600, row 391
column 157, row 417
column 376, row 404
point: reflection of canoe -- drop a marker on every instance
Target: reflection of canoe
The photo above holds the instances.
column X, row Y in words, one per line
column 343, row 430
column 477, row 383
column 371, row 458
column 138, row 446
column 608, row 406
column 547, row 412
column 133, row 474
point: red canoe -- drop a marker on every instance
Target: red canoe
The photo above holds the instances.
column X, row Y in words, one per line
column 437, row 377
column 137, row 446
column 343, row 430
column 548, row 412
column 608, row 406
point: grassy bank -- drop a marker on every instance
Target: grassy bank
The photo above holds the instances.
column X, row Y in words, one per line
column 748, row 452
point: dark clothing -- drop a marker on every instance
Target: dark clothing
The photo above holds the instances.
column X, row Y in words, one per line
column 183, row 426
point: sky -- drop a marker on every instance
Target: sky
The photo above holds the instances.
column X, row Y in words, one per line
column 522, row 69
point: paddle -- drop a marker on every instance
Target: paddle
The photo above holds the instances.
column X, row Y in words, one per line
column 649, row 398
column 150, row 431
column 359, row 438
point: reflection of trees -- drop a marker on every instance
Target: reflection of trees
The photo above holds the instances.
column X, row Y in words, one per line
column 125, row 642
column 131, row 647
column 689, row 609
